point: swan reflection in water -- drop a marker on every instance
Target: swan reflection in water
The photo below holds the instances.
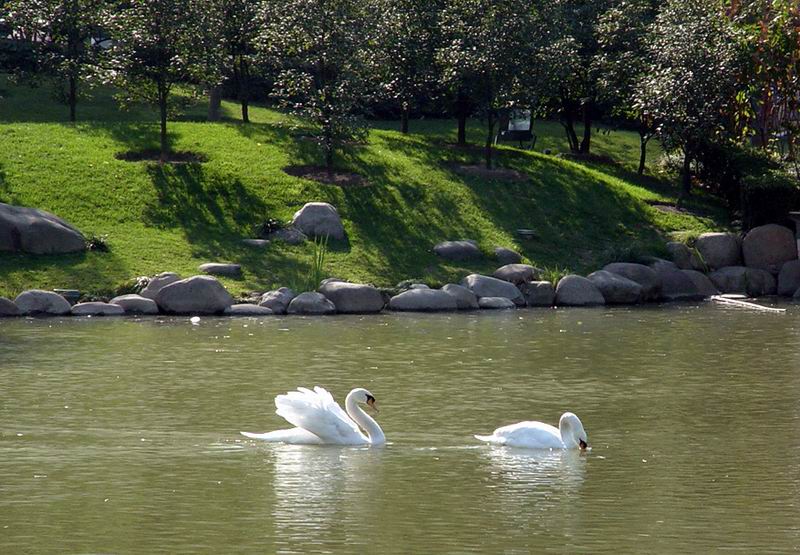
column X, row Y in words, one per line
column 320, row 488
column 537, row 488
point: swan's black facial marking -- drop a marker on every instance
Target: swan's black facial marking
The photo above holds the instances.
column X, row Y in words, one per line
column 583, row 444
column 370, row 400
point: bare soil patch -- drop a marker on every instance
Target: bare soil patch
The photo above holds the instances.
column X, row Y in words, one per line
column 320, row 174
column 184, row 157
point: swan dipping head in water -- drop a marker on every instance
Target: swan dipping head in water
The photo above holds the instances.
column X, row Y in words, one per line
column 319, row 419
column 538, row 435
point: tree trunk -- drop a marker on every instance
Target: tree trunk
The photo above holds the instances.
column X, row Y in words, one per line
column 244, row 90
column 568, row 122
column 489, row 138
column 214, row 103
column 587, row 128
column 162, row 105
column 73, row 97
column 643, row 138
column 462, row 112
column 686, row 175
column 329, row 158
column 404, row 118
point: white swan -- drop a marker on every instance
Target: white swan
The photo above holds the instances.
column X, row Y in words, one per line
column 321, row 421
column 538, row 435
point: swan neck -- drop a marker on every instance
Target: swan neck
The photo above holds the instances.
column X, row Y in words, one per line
column 364, row 421
column 567, row 433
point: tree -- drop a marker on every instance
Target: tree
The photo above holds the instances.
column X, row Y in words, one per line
column 406, row 42
column 487, row 48
column 691, row 84
column 325, row 49
column 621, row 65
column 239, row 30
column 60, row 33
column 158, row 44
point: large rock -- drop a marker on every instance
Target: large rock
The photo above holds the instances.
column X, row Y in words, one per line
column 517, row 273
column 705, row 286
column 675, row 285
column 719, row 250
column 8, row 308
column 575, row 290
column 615, row 288
column 221, row 269
column 768, row 247
column 423, row 300
column 485, row 286
column 684, row 257
column 37, row 232
column 97, row 309
column 641, row 274
column 36, row 301
column 789, row 278
column 507, row 256
column 194, row 295
column 465, row 299
column 753, row 282
column 157, row 283
column 458, row 250
column 311, row 302
column 136, row 304
column 353, row 298
column 319, row 219
column 277, row 300
column 495, row 303
column 245, row 309
column 538, row 293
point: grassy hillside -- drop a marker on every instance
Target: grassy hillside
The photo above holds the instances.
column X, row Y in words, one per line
column 174, row 217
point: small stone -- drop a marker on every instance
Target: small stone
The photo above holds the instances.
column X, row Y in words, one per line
column 573, row 290
column 245, row 309
column 465, row 299
column 485, row 286
column 538, row 293
column 517, row 273
column 615, row 288
column 641, row 274
column 36, row 301
column 311, row 302
column 458, row 250
column 353, row 298
column 8, row 307
column 97, row 309
column 507, row 256
column 258, row 243
column 277, row 300
column 319, row 219
column 423, row 300
column 136, row 304
column 495, row 303
column 289, row 235
column 157, row 282
column 221, row 269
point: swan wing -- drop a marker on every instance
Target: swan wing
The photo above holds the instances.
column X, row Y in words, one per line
column 318, row 413
column 295, row 436
column 529, row 434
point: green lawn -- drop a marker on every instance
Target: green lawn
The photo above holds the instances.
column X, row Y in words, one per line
column 173, row 218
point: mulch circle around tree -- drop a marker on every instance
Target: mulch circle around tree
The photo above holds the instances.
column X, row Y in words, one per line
column 479, row 170
column 185, row 157
column 671, row 208
column 320, row 174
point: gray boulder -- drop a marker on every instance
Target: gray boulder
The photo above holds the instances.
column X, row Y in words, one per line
column 36, row 301
column 194, row 295
column 768, row 247
column 615, row 288
column 684, row 257
column 485, row 286
column 705, row 286
column 538, row 293
column 8, row 308
column 719, row 250
column 37, row 232
column 675, row 285
column 458, row 250
column 573, row 290
column 246, row 309
column 221, row 269
column 319, row 219
column 641, row 274
column 495, row 303
column 353, row 298
column 753, row 282
column 277, row 300
column 517, row 273
column 507, row 256
column 136, row 304
column 97, row 309
column 465, row 299
column 290, row 235
column 423, row 300
column 311, row 302
column 789, row 278
column 157, row 283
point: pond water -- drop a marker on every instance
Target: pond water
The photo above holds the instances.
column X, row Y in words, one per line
column 121, row 436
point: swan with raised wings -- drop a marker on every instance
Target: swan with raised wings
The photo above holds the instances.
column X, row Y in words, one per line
column 538, row 435
column 319, row 420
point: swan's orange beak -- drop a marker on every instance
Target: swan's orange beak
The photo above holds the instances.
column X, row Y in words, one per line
column 371, row 403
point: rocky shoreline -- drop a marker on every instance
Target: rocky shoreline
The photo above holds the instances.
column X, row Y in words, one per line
column 764, row 262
